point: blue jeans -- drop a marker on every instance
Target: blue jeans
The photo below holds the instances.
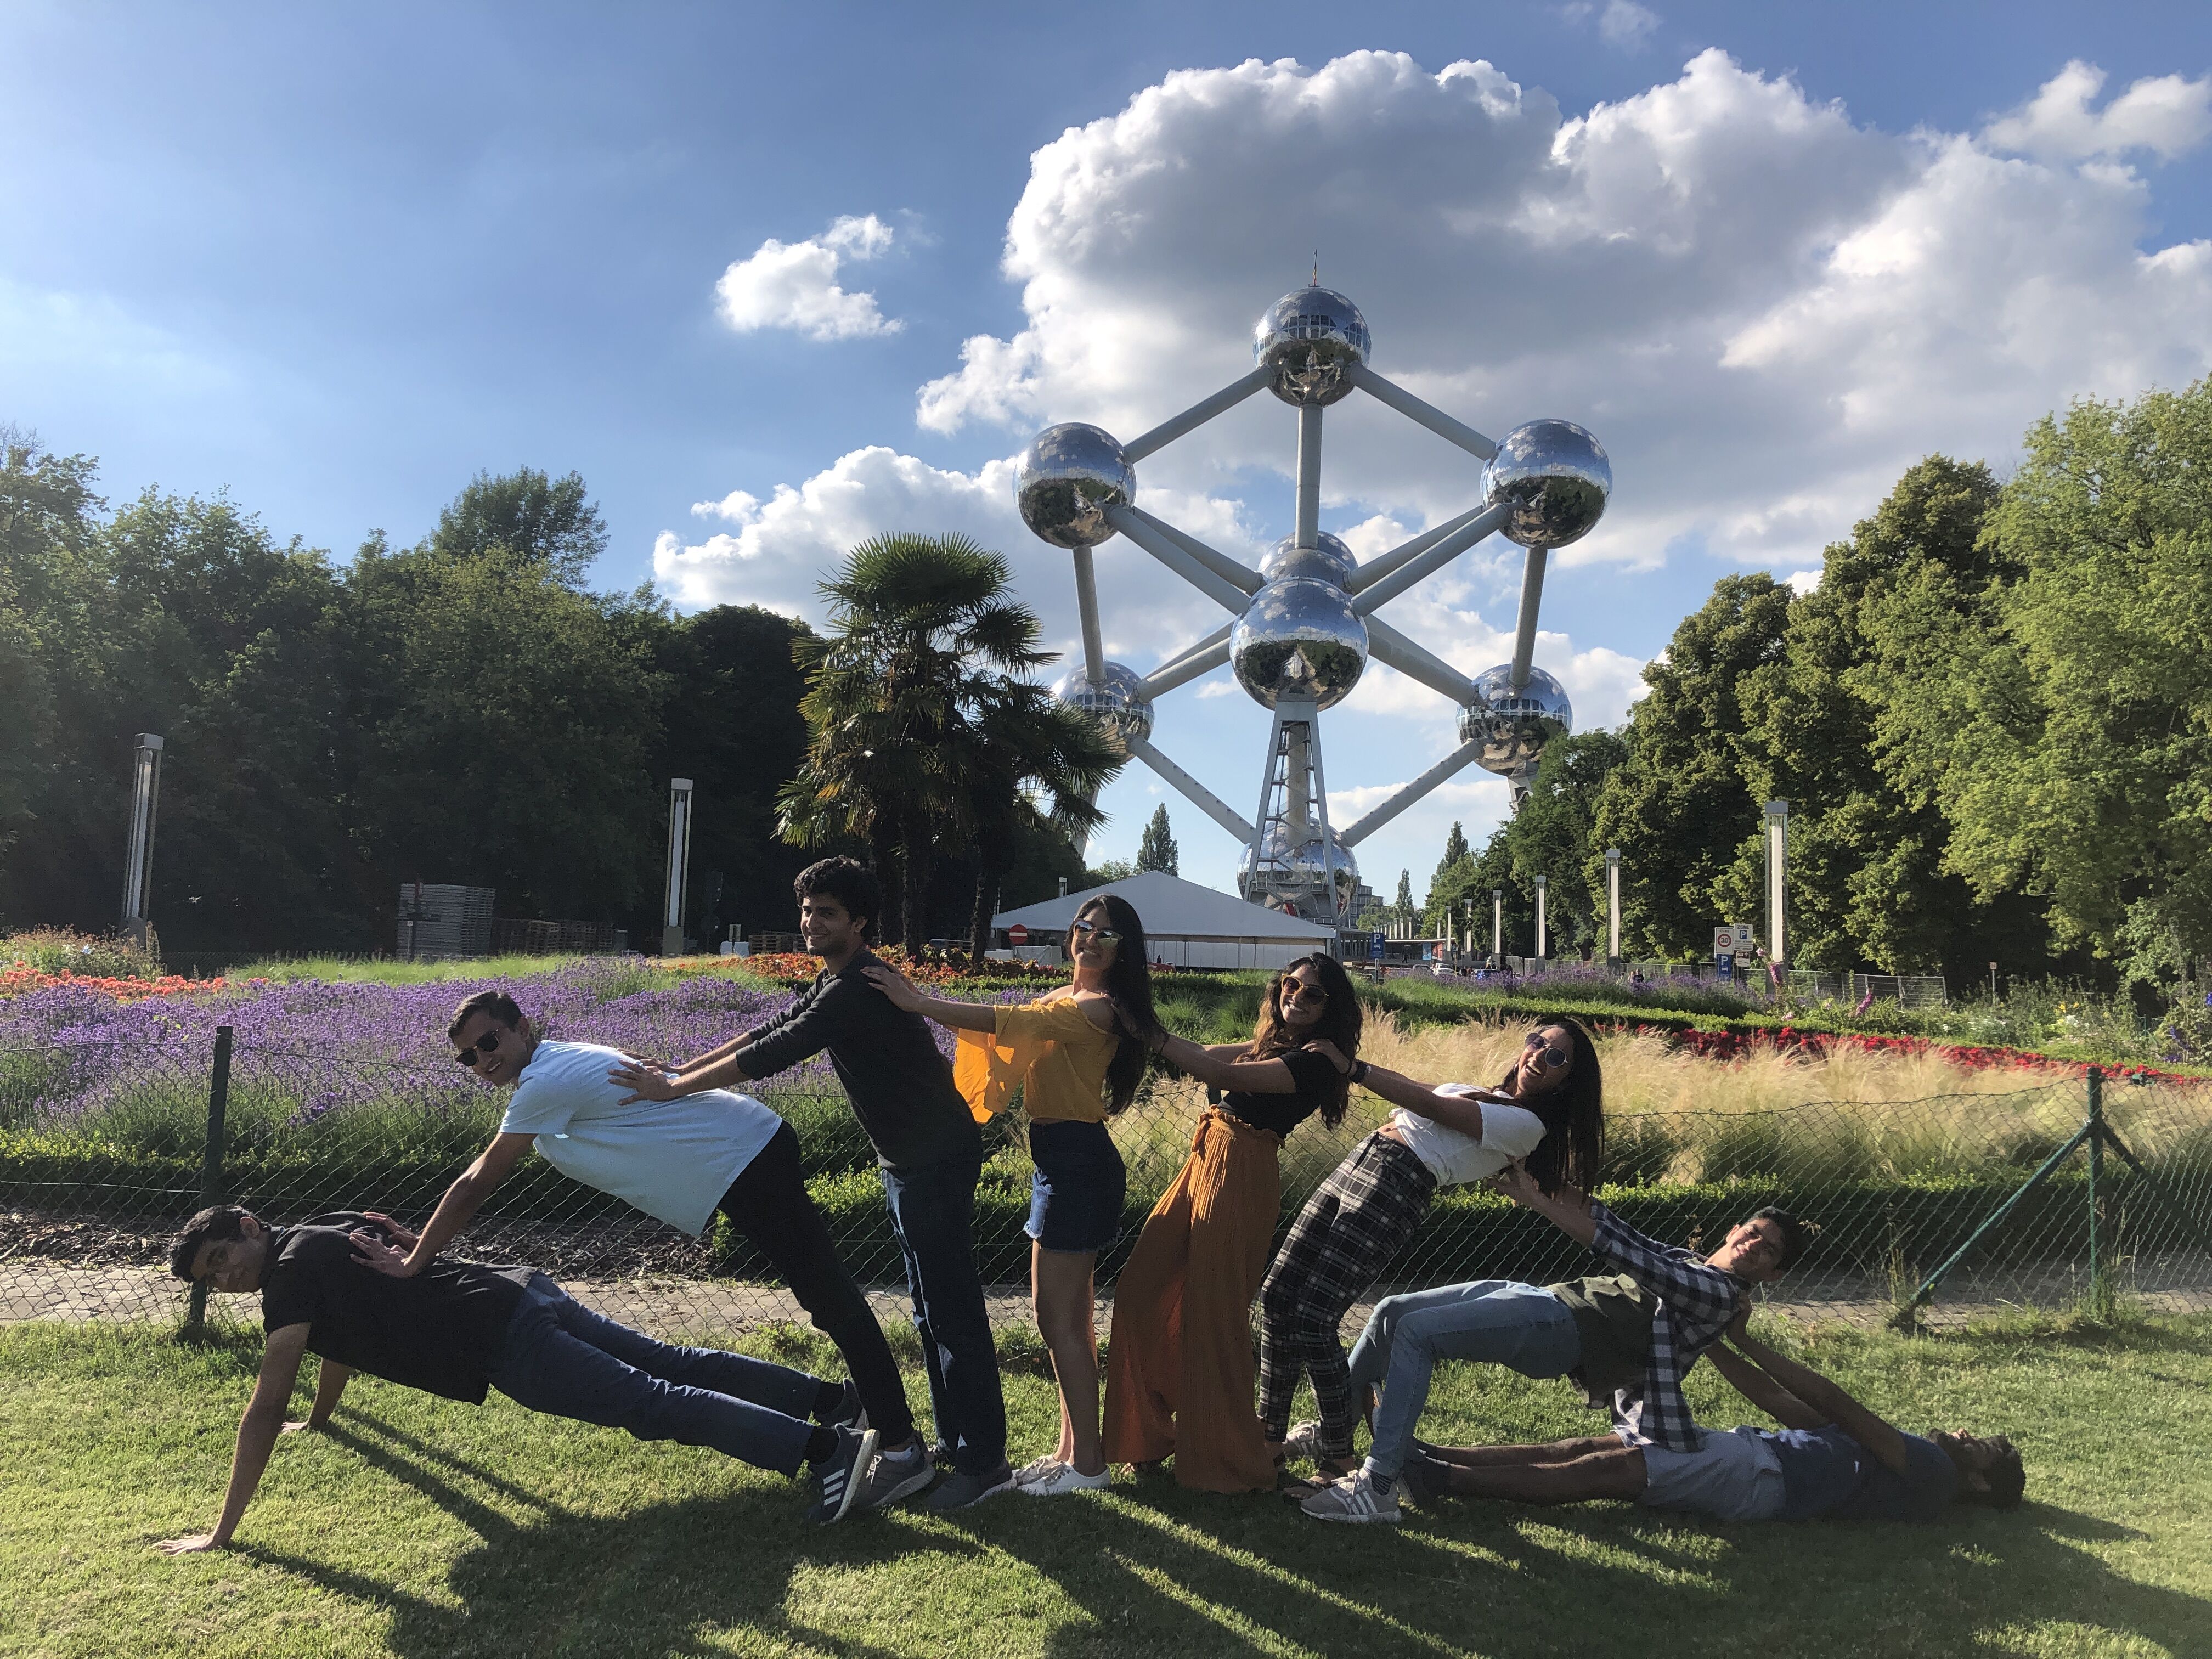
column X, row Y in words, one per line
column 1521, row 1326
column 565, row 1360
column 932, row 1209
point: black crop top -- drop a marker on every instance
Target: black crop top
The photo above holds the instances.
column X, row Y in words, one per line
column 1317, row 1079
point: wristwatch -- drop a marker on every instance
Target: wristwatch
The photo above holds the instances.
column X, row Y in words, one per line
column 1359, row 1072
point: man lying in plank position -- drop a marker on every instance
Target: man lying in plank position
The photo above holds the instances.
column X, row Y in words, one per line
column 459, row 1329
column 1832, row 1457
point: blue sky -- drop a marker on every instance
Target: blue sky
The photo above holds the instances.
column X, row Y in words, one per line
column 338, row 262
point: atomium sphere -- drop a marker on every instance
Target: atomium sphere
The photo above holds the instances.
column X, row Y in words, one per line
column 1516, row 726
column 1120, row 706
column 1287, row 861
column 1309, row 338
column 1067, row 478
column 1557, row 477
column 1331, row 560
column 1298, row 638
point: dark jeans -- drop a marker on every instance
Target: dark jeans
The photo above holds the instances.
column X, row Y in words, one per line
column 563, row 1359
column 767, row 1203
column 933, row 1212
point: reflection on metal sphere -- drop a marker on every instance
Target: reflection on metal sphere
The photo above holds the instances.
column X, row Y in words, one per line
column 1068, row 477
column 1301, row 864
column 1309, row 338
column 1120, row 705
column 1298, row 638
column 1516, row 726
column 1330, row 561
column 1557, row 477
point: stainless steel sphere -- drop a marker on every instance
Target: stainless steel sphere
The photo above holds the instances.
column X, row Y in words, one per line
column 1329, row 561
column 1516, row 726
column 1067, row 478
column 1298, row 638
column 1119, row 706
column 1557, row 477
column 1287, row 861
column 1309, row 340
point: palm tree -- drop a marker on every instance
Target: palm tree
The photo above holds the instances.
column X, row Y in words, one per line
column 921, row 637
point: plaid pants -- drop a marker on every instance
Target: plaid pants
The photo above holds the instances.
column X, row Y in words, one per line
column 1356, row 1221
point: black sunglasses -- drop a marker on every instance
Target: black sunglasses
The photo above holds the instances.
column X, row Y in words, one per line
column 1554, row 1057
column 1103, row 935
column 488, row 1043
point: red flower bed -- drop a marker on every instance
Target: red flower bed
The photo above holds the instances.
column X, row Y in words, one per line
column 23, row 978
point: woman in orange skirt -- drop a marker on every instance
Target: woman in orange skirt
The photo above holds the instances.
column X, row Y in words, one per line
column 1179, row 1373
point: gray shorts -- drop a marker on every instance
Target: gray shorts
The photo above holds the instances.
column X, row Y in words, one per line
column 1734, row 1475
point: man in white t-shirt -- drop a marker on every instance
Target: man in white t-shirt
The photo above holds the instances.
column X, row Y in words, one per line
column 678, row 1161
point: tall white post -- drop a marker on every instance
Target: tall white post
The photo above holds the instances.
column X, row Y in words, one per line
column 1777, row 846
column 679, row 863
column 1612, row 906
column 1498, row 923
column 138, row 860
column 1543, row 943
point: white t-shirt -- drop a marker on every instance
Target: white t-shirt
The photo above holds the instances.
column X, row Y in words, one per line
column 673, row 1159
column 1455, row 1159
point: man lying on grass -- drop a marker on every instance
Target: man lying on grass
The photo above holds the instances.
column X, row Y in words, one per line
column 1629, row 1340
column 459, row 1329
column 1831, row 1458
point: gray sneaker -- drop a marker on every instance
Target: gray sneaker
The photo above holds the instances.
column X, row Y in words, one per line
column 842, row 1474
column 957, row 1490
column 895, row 1475
column 1353, row 1499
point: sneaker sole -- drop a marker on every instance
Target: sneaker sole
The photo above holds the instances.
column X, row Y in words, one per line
column 906, row 1488
column 855, row 1478
column 1356, row 1520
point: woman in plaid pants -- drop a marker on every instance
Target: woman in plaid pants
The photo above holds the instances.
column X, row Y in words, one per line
column 1547, row 1112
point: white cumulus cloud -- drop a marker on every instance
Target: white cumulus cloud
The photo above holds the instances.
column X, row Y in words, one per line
column 793, row 285
column 2166, row 115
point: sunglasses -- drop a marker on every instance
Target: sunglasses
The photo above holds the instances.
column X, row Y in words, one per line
column 1553, row 1058
column 1100, row 935
column 488, row 1043
column 1299, row 988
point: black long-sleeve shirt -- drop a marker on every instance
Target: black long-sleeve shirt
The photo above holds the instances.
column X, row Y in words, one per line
column 899, row 1085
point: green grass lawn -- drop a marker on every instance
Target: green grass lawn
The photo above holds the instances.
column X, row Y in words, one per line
column 420, row 1528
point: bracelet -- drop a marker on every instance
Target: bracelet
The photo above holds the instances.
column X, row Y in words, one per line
column 1359, row 1072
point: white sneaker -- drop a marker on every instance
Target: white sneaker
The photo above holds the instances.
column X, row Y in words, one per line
column 1066, row 1478
column 1352, row 1497
column 1037, row 1469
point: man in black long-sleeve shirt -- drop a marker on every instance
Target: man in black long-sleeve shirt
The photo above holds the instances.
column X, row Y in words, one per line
column 901, row 1089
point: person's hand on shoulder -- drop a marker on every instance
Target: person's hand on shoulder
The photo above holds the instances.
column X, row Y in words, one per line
column 897, row 986
column 645, row 1080
column 1329, row 1052
column 370, row 1250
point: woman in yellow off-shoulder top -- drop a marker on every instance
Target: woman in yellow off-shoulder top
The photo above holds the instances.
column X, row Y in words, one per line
column 1076, row 1054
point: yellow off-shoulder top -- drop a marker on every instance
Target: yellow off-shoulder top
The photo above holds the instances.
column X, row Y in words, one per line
column 1049, row 1048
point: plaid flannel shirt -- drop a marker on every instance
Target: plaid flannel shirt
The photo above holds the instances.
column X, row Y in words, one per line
column 1696, row 1302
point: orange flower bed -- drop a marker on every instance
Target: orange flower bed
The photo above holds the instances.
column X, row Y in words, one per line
column 22, row 977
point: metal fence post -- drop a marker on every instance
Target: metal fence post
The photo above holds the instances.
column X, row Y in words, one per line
column 211, row 1158
column 2100, row 1293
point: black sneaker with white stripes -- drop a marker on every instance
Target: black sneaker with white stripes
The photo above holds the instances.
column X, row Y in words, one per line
column 849, row 1412
column 841, row 1474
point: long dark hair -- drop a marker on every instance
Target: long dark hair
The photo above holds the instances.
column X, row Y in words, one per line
column 1129, row 988
column 1340, row 1024
column 1573, row 1147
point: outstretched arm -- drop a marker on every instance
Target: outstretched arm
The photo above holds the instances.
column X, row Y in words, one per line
column 1455, row 1110
column 1569, row 1209
column 1829, row 1403
column 960, row 1016
column 257, row 1435
column 455, row 1210
column 1762, row 1390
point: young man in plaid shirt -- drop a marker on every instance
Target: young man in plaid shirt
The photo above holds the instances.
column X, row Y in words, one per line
column 1628, row 1340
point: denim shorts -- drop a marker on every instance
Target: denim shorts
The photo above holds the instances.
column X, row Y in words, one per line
column 1076, row 1192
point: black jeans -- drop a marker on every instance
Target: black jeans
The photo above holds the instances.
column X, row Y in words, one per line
column 933, row 1212
column 767, row 1203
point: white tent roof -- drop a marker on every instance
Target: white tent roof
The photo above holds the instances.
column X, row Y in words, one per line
column 1173, row 909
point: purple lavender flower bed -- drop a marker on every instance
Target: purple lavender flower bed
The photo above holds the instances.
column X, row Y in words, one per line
column 310, row 1053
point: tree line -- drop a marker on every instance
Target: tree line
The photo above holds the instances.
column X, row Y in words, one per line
column 464, row 709
column 1991, row 717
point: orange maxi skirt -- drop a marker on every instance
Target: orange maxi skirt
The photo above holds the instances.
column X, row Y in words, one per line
column 1179, row 1372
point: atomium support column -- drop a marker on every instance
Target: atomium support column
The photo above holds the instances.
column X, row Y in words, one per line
column 1524, row 627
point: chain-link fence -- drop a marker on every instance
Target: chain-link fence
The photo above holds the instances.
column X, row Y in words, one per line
column 2102, row 1195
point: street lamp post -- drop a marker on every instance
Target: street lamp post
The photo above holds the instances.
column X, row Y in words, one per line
column 679, row 862
column 1543, row 883
column 1497, row 925
column 1613, row 906
column 138, row 860
column 1777, row 846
